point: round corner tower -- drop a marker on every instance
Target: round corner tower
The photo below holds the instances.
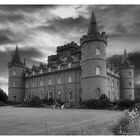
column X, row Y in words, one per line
column 16, row 85
column 126, row 78
column 93, row 62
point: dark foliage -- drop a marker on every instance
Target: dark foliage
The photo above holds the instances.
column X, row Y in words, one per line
column 102, row 102
column 48, row 101
column 35, row 101
column 126, row 104
column 3, row 96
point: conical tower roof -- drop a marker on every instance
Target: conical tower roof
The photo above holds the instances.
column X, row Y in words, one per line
column 93, row 25
column 125, row 60
column 16, row 57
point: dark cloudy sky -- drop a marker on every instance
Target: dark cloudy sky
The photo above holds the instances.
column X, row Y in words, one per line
column 38, row 30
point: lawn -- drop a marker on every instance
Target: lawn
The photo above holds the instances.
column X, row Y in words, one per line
column 43, row 121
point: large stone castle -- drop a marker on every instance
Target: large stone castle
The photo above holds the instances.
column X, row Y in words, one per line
column 74, row 74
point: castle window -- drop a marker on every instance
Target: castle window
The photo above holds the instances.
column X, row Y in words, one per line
column 41, row 83
column 69, row 65
column 59, row 95
column 59, row 80
column 49, row 70
column 14, row 73
column 59, row 67
column 70, row 78
column 33, row 73
column 50, row 82
column 97, row 51
column 33, row 84
column 26, row 84
column 69, row 95
column 14, row 84
column 130, row 74
column 41, row 71
column 98, row 92
column 130, row 83
column 26, row 74
column 97, row 70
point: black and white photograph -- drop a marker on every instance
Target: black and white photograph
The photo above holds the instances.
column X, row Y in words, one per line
column 69, row 69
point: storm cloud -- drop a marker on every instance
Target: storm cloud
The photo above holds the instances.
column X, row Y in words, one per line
column 39, row 29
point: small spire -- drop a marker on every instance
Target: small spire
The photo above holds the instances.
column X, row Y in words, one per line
column 93, row 25
column 16, row 57
column 125, row 60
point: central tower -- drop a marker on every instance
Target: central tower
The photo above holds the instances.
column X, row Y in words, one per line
column 93, row 62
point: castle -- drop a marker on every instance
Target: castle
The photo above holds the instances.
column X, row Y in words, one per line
column 74, row 74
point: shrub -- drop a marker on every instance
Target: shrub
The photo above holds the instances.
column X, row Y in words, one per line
column 2, row 104
column 3, row 96
column 103, row 101
column 91, row 104
column 126, row 104
column 35, row 101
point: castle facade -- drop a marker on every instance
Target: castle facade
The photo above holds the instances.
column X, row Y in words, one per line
column 74, row 74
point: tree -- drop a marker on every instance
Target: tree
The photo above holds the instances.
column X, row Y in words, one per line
column 3, row 96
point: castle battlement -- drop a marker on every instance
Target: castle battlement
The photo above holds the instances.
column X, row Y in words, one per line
column 96, row 37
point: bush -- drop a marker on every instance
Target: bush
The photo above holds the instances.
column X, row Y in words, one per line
column 48, row 101
column 3, row 96
column 35, row 101
column 126, row 104
column 2, row 104
column 91, row 104
column 103, row 101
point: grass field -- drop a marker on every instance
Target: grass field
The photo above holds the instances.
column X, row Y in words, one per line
column 42, row 121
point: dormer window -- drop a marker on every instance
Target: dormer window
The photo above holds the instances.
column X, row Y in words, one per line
column 98, row 70
column 14, row 73
column 69, row 65
column 59, row 67
column 97, row 51
column 49, row 69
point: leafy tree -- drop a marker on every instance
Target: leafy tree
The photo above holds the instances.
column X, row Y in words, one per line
column 3, row 96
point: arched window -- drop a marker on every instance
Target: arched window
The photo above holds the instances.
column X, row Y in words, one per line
column 41, row 83
column 69, row 95
column 33, row 84
column 14, row 84
column 98, row 70
column 69, row 78
column 130, row 74
column 98, row 92
column 59, row 67
column 97, row 51
column 130, row 83
column 41, row 71
column 14, row 73
column 50, row 95
column 41, row 95
column 49, row 82
column 59, row 80
column 69, row 65
column 59, row 95
column 49, row 69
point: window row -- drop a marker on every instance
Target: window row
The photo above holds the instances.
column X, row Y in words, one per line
column 50, row 82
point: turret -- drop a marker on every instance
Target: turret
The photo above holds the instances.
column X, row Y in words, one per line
column 127, row 78
column 93, row 62
column 16, row 85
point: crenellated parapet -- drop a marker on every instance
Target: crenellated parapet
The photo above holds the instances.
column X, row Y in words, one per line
column 94, row 37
